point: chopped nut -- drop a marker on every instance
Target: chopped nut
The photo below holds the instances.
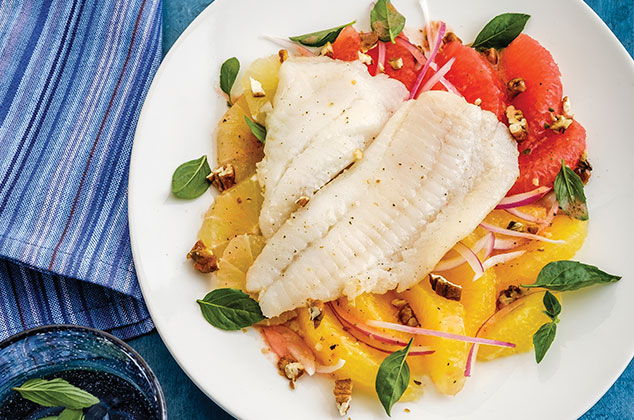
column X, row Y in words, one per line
column 445, row 288
column 302, row 201
column 223, row 177
column 315, row 311
column 343, row 395
column 357, row 154
column 560, row 123
column 532, row 229
column 256, row 88
column 290, row 369
column 364, row 58
column 535, row 182
column 327, row 50
column 509, row 296
column 405, row 314
column 516, row 226
column 518, row 126
column 368, row 40
column 492, row 55
column 477, row 102
column 204, row 260
column 451, row 37
column 566, row 107
column 396, row 63
column 516, row 86
column 283, row 54
column 584, row 169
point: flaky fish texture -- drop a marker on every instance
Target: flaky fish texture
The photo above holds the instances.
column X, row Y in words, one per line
column 323, row 111
column 438, row 167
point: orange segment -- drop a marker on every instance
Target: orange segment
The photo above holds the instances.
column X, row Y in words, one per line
column 236, row 259
column 265, row 71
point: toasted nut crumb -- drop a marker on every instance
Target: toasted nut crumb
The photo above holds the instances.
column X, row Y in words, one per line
column 584, row 169
column 283, row 55
column 396, row 63
column 223, row 177
column 560, row 123
column 302, row 201
column 451, row 37
column 256, row 88
column 368, row 40
column 516, row 86
column 343, row 395
column 357, row 154
column 315, row 311
column 290, row 369
column 327, row 50
column 477, row 102
column 364, row 58
column 405, row 314
column 204, row 260
column 518, row 126
column 508, row 296
column 566, row 107
column 516, row 226
column 492, row 55
column 535, row 182
column 445, row 288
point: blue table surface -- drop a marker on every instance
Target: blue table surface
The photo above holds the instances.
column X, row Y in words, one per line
column 185, row 401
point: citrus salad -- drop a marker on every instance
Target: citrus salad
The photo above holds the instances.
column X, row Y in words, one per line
column 426, row 221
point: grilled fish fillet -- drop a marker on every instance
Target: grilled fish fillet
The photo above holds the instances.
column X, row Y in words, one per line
column 438, row 167
column 323, row 111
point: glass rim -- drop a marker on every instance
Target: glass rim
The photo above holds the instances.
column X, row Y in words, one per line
column 154, row 382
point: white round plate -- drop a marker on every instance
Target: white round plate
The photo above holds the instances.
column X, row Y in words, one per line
column 595, row 339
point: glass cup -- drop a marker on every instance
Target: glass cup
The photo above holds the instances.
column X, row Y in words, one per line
column 93, row 360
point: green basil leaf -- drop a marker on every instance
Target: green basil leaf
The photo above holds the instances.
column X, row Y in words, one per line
column 230, row 309
column 386, row 22
column 392, row 378
column 543, row 338
column 70, row 414
column 320, row 38
column 569, row 192
column 228, row 73
column 552, row 305
column 500, row 31
column 570, row 275
column 56, row 393
column 259, row 131
column 190, row 179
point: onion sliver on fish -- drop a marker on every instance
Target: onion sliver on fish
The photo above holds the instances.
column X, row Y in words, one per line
column 323, row 111
column 437, row 168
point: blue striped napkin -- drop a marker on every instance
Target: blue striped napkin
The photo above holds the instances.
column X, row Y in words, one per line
column 73, row 76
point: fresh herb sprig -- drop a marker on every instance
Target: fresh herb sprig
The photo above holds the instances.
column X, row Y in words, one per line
column 58, row 393
column 570, row 275
column 190, row 179
column 545, row 335
column 230, row 309
column 258, row 130
column 386, row 22
column 500, row 31
column 320, row 38
column 569, row 192
column 228, row 73
column 393, row 377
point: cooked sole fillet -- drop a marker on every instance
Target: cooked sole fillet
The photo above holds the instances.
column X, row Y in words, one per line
column 323, row 111
column 439, row 166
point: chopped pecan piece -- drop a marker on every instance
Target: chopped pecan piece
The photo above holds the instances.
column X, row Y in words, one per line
column 396, row 63
column 509, row 296
column 283, row 54
column 492, row 55
column 327, row 50
column 302, row 201
column 343, row 395
column 445, row 288
column 565, row 103
column 368, row 40
column 204, row 260
column 223, row 177
column 290, row 369
column 256, row 88
column 520, row 227
column 364, row 58
column 560, row 123
column 451, row 37
column 316, row 311
column 406, row 314
column 518, row 126
column 516, row 86
column 584, row 169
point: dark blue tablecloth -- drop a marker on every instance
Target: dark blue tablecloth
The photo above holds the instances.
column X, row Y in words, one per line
column 186, row 402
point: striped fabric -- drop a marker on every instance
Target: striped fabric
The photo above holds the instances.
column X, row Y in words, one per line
column 73, row 76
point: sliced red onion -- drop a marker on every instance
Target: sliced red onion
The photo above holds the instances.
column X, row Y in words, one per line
column 330, row 369
column 471, row 360
column 554, row 207
column 526, row 235
column 487, row 242
column 432, row 56
column 525, row 216
column 501, row 258
column 522, row 199
column 290, row 45
column 284, row 341
column 441, row 334
column 504, row 244
column 438, row 75
column 380, row 62
column 418, row 55
column 472, row 259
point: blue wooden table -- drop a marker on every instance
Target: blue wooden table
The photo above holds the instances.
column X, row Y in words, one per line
column 186, row 402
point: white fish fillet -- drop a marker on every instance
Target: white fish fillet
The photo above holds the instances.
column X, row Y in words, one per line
column 437, row 169
column 323, row 111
